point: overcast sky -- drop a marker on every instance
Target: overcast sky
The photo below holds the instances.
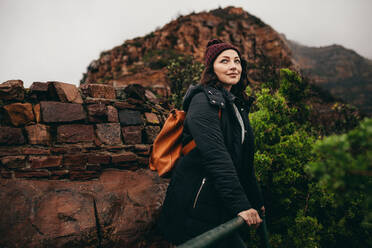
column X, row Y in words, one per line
column 55, row 40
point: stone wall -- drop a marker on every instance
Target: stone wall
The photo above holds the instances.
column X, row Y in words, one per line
column 54, row 130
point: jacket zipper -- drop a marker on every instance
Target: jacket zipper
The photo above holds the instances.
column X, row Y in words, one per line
column 200, row 188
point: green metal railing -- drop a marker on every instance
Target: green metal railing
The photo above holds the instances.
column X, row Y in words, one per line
column 212, row 236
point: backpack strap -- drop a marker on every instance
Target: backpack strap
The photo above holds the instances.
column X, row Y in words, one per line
column 191, row 145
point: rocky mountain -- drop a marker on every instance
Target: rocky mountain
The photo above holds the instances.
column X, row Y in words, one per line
column 143, row 60
column 343, row 72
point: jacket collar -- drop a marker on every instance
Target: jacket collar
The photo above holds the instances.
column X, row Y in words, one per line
column 218, row 97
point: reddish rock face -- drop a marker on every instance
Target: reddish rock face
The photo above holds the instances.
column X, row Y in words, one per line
column 32, row 174
column 11, row 136
column 6, row 151
column 132, row 135
column 67, row 92
column 14, row 161
column 151, row 96
column 109, row 133
column 20, row 113
column 37, row 162
column 97, row 113
column 38, row 134
column 65, row 149
column 94, row 158
column 39, row 87
column 37, row 113
column 151, row 133
column 42, row 91
column 118, row 209
column 98, row 91
column 130, row 117
column 97, row 101
column 62, row 112
column 142, row 149
column 83, row 174
column 58, row 174
column 35, row 151
column 12, row 90
column 112, row 114
column 124, row 105
column 75, row 133
column 123, row 157
column 6, row 173
column 151, row 118
column 143, row 161
column 75, row 161
column 135, row 91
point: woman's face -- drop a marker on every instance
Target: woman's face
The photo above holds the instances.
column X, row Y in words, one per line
column 228, row 68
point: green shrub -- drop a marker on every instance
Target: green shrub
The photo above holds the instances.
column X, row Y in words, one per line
column 305, row 211
column 284, row 147
column 344, row 167
column 182, row 72
column 159, row 58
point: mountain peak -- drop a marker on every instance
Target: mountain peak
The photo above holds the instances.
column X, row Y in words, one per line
column 143, row 59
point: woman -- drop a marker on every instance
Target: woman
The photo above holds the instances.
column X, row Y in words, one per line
column 215, row 181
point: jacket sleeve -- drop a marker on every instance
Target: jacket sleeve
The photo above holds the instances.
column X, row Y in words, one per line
column 204, row 125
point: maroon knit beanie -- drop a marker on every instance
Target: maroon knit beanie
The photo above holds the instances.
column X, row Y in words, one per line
column 214, row 48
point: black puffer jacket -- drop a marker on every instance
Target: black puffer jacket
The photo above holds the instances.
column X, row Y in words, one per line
column 216, row 180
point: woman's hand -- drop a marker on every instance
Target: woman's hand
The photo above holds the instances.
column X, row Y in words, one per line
column 251, row 217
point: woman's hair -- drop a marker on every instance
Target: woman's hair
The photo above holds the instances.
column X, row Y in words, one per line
column 210, row 78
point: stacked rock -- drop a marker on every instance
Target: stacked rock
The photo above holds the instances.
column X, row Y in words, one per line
column 54, row 130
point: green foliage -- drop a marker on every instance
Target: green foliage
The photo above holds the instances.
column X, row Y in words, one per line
column 150, row 35
column 159, row 58
column 137, row 42
column 225, row 15
column 303, row 212
column 283, row 149
column 220, row 28
column 344, row 167
column 182, row 72
column 292, row 87
column 295, row 91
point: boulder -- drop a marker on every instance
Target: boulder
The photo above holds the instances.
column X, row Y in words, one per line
column 119, row 209
column 67, row 92
column 38, row 134
column 75, row 133
column 112, row 114
column 12, row 90
column 13, row 161
column 151, row 133
column 61, row 112
column 109, row 133
column 20, row 113
column 130, row 117
column 11, row 136
column 132, row 134
column 152, row 118
column 37, row 162
column 135, row 91
column 41, row 91
column 98, row 91
column 97, row 113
